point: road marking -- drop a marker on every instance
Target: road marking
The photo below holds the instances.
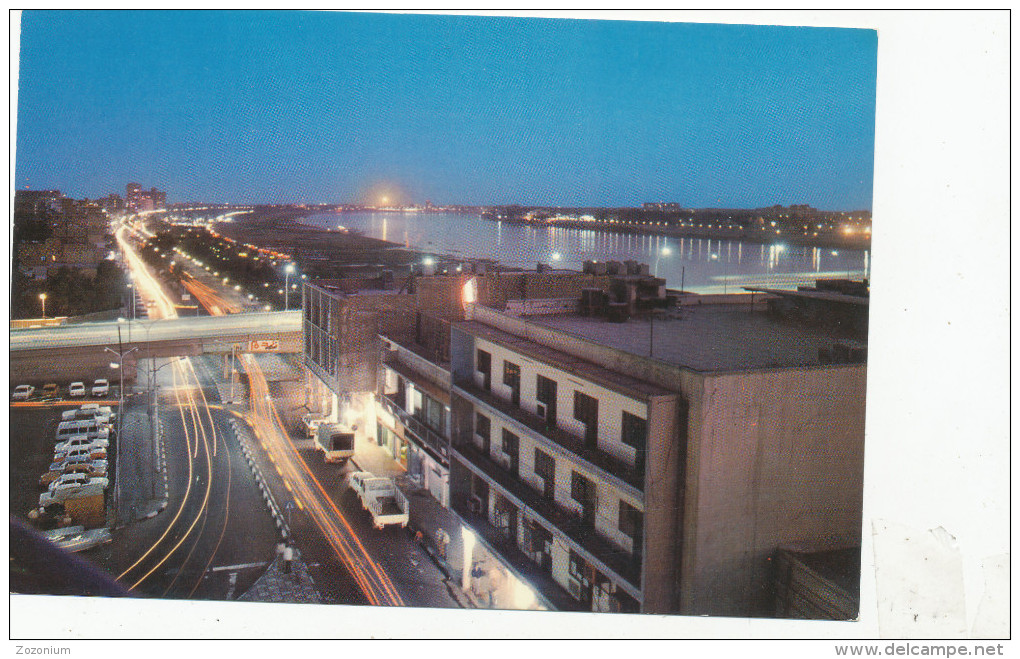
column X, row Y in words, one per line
column 241, row 566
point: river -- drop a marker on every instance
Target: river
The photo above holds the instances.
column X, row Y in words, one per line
column 699, row 264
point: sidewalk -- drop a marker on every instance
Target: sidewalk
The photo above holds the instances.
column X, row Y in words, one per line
column 140, row 466
column 426, row 515
column 277, row 586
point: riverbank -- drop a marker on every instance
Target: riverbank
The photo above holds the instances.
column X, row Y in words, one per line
column 322, row 252
column 828, row 241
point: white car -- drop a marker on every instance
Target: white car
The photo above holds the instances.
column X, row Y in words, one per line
column 80, row 441
column 22, row 392
column 91, row 487
column 76, row 390
column 100, row 388
column 73, row 480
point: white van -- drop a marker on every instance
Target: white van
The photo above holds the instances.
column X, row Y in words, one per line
column 101, row 414
column 92, row 427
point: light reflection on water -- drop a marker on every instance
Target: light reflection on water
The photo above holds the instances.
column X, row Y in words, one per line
column 701, row 264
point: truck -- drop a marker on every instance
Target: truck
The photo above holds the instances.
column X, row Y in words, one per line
column 380, row 497
column 335, row 441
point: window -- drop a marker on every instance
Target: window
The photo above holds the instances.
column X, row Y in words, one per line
column 512, row 379
column 586, row 410
column 511, row 444
column 631, row 521
column 433, row 414
column 635, row 435
column 545, row 466
column 483, row 430
column 583, row 491
column 546, row 396
column 485, row 368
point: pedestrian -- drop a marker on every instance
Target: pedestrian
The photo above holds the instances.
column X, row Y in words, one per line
column 288, row 556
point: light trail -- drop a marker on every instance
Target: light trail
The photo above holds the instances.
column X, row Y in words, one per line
column 185, row 381
column 372, row 578
column 307, row 491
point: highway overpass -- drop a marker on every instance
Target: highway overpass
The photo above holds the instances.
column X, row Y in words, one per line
column 78, row 352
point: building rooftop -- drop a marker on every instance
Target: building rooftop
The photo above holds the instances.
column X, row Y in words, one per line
column 588, row 370
column 710, row 337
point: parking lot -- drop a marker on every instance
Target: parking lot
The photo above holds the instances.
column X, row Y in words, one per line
column 33, row 428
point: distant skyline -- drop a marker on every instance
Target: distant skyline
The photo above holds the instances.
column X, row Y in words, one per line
column 326, row 107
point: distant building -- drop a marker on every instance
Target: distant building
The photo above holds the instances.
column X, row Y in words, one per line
column 132, row 196
column 36, row 202
column 112, row 203
column 138, row 200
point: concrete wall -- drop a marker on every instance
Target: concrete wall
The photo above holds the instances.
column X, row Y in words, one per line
column 776, row 459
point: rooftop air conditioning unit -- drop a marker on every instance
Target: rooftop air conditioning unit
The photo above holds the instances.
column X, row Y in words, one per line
column 574, row 588
column 541, row 410
column 475, row 504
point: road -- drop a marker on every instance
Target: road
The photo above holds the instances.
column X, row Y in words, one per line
column 215, row 535
column 215, row 531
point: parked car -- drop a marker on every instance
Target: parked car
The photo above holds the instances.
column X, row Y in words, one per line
column 50, row 390
column 101, row 388
column 92, row 427
column 89, row 411
column 76, row 390
column 78, row 441
column 22, row 392
column 91, row 487
column 89, row 453
column 70, row 481
column 91, row 469
column 83, row 539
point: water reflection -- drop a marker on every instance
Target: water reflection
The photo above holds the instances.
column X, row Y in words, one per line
column 689, row 259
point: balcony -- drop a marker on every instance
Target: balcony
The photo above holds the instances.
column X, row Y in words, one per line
column 427, row 438
column 555, row 596
column 610, row 465
column 569, row 523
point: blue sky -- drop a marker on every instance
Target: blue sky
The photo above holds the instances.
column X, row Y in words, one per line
column 323, row 107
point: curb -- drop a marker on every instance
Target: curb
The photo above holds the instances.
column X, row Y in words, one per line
column 267, row 495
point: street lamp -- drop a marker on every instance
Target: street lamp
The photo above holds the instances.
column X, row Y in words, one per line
column 42, row 298
column 120, row 416
column 288, row 271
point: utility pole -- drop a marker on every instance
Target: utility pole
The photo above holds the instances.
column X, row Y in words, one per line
column 233, row 370
column 120, row 419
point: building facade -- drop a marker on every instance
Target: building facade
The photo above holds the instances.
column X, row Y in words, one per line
column 614, row 481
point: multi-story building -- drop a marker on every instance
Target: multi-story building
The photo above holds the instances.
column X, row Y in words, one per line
column 609, row 461
column 132, row 196
column 137, row 199
column 654, row 467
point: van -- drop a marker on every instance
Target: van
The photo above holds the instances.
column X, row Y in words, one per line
column 91, row 427
column 101, row 414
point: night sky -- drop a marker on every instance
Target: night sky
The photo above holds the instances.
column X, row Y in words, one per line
column 269, row 107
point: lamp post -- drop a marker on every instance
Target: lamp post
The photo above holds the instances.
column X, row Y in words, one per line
column 42, row 298
column 120, row 418
column 288, row 271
